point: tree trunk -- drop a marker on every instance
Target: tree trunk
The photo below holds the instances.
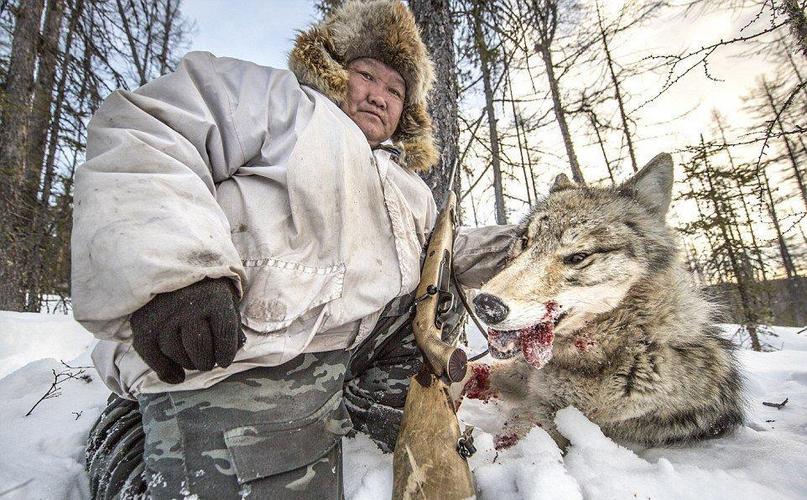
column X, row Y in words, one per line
column 617, row 92
column 529, row 158
column 167, row 24
column 799, row 77
column 37, row 137
column 14, row 115
column 517, row 120
column 434, row 19
column 55, row 129
column 602, row 147
column 127, row 29
column 793, row 283
column 784, row 252
column 493, row 134
column 560, row 114
column 473, row 206
column 43, row 97
column 712, row 247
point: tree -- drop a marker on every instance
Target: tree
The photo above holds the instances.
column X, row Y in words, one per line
column 55, row 80
column 742, row 179
column 712, row 185
column 545, row 21
column 776, row 117
column 485, row 54
column 766, row 32
column 14, row 115
column 609, row 59
column 437, row 29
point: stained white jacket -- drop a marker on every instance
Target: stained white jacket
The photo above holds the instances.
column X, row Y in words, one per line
column 224, row 168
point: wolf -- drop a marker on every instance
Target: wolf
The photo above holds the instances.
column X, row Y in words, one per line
column 595, row 309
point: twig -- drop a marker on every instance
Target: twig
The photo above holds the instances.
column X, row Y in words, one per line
column 15, row 488
column 77, row 413
column 58, row 378
column 778, row 406
column 75, row 367
column 775, row 120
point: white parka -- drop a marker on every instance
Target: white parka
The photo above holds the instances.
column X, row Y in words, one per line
column 224, row 168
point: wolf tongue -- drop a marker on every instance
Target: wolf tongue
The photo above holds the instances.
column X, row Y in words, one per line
column 536, row 344
column 505, row 340
column 535, row 341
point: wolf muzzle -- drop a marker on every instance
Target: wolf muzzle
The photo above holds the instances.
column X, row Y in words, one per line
column 490, row 308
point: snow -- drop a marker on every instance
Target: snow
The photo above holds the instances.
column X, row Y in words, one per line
column 767, row 458
column 43, row 454
column 26, row 337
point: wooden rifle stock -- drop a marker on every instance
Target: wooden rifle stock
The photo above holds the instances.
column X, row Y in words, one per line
column 427, row 463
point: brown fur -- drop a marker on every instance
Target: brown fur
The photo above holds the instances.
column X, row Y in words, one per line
column 384, row 30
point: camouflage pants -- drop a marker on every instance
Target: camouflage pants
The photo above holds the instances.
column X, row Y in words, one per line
column 272, row 432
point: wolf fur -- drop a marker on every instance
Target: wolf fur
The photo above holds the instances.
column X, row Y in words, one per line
column 634, row 349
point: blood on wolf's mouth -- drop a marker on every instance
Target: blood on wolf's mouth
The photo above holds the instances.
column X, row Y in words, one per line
column 534, row 342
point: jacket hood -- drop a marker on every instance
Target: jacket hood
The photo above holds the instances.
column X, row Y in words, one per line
column 383, row 30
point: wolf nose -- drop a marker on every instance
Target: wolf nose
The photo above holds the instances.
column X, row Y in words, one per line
column 490, row 308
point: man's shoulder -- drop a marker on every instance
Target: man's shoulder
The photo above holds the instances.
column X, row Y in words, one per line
column 205, row 58
column 239, row 76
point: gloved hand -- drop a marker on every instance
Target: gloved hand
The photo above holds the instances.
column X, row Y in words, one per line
column 195, row 328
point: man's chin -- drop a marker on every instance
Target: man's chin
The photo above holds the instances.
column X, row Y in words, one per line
column 372, row 128
column 373, row 138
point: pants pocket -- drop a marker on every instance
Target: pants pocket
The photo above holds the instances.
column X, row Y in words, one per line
column 297, row 459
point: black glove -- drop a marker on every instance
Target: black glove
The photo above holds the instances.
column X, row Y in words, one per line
column 195, row 328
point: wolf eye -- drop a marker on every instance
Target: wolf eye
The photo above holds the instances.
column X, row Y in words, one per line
column 523, row 242
column 575, row 258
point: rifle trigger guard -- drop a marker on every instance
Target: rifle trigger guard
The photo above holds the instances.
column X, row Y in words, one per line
column 431, row 290
column 445, row 303
column 465, row 444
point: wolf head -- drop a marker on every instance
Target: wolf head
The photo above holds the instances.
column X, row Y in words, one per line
column 582, row 250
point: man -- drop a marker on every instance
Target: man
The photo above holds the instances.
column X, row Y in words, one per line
column 246, row 242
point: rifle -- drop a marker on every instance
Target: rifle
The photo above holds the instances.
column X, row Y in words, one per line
column 430, row 454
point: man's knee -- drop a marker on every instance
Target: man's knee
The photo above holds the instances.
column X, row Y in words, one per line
column 268, row 429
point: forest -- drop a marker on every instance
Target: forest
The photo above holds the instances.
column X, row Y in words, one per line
column 525, row 90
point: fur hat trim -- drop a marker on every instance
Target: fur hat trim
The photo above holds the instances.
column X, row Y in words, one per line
column 384, row 30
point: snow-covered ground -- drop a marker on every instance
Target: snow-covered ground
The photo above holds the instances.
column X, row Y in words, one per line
column 42, row 454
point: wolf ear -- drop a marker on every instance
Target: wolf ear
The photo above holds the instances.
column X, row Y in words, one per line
column 653, row 184
column 561, row 182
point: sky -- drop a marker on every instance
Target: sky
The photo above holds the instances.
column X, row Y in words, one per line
column 261, row 31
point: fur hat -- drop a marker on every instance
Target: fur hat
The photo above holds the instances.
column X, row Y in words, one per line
column 384, row 30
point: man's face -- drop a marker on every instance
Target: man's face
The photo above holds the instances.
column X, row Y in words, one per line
column 375, row 98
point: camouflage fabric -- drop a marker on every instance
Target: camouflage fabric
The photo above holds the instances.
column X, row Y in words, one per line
column 272, row 432
column 114, row 454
